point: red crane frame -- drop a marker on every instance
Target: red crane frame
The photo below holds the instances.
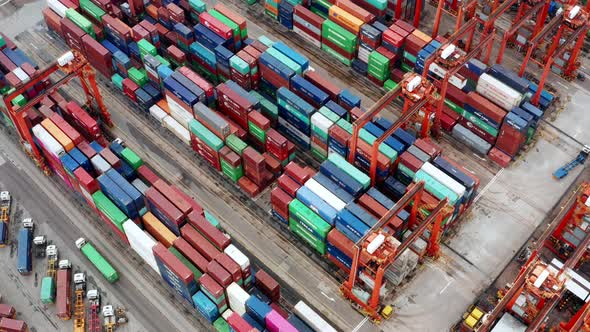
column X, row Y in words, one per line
column 78, row 67
column 525, row 11
column 483, row 43
column 528, row 267
column 414, row 193
column 468, row 7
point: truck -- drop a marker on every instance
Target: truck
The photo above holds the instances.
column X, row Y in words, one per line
column 63, row 300
column 40, row 245
column 94, row 324
column 103, row 266
column 24, row 260
column 79, row 307
column 5, row 203
column 48, row 282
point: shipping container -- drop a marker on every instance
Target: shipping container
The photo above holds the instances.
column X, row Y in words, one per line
column 24, row 251
column 63, row 301
column 101, row 264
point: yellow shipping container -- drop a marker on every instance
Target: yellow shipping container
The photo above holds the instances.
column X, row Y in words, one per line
column 158, row 230
column 345, row 19
column 422, row 36
column 59, row 135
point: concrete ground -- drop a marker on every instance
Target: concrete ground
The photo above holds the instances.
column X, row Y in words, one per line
column 511, row 204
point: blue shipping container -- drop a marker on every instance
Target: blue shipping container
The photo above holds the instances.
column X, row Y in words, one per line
column 362, row 214
column 275, row 65
column 3, row 233
column 291, row 54
column 205, row 306
column 81, row 159
column 333, row 187
column 186, row 291
column 350, row 225
column 308, row 91
column 257, row 309
column 180, row 91
column 317, row 205
column 24, row 251
column 128, row 188
column 349, row 100
column 341, row 178
column 69, row 163
column 117, row 196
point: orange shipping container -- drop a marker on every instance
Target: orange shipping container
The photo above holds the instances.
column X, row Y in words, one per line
column 345, row 19
column 422, row 36
column 59, row 135
column 158, row 230
column 163, row 104
column 271, row 9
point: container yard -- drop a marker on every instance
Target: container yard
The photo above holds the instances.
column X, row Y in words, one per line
column 294, row 166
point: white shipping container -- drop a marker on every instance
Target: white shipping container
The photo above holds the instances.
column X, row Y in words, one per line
column 321, row 122
column 313, row 320
column 237, row 256
column 237, row 298
column 57, row 7
column 179, row 113
column 49, row 143
column 455, row 80
column 498, row 92
column 100, row 164
column 444, row 179
column 306, row 24
column 325, row 194
column 158, row 113
column 20, row 73
column 140, row 186
column 227, row 313
column 141, row 243
column 181, row 132
column 363, row 54
column 307, row 37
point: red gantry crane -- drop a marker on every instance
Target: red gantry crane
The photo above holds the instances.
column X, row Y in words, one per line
column 539, row 286
column 572, row 26
column 72, row 64
column 462, row 10
column 378, row 249
column 449, row 59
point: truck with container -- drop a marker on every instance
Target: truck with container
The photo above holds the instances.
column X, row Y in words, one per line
column 94, row 324
column 79, row 306
column 5, row 203
column 103, row 266
column 24, row 257
column 63, row 300
column 48, row 282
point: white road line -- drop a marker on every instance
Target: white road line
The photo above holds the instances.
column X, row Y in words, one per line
column 329, row 298
column 445, row 288
column 488, row 185
column 360, row 324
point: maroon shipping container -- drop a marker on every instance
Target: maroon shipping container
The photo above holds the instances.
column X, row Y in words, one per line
column 289, row 185
column 129, row 88
column 8, row 311
column 447, row 122
column 248, row 186
column 404, row 25
column 52, row 19
column 179, row 202
column 147, row 175
column 276, row 307
column 98, row 56
column 191, row 254
column 196, row 207
column 165, row 206
column 259, row 120
column 216, row 26
column 234, row 105
column 429, row 147
column 499, row 157
column 477, row 130
column 297, row 173
column 321, row 82
column 230, row 157
column 259, row 46
column 173, row 263
column 86, row 149
column 489, row 109
column 139, row 33
column 198, row 241
column 215, row 289
column 72, row 34
column 510, row 140
column 63, row 294
column 214, row 235
column 344, row 244
column 116, row 25
column 338, row 49
column 268, row 285
column 219, row 274
column 9, row 43
column 176, row 54
column 5, row 64
column 372, row 206
column 309, row 16
column 272, row 164
column 230, row 266
column 355, row 113
column 198, row 80
column 356, row 11
column 239, row 324
column 280, row 200
column 72, row 133
column 110, row 158
column 410, row 161
column 313, row 34
column 274, row 78
column 13, row 325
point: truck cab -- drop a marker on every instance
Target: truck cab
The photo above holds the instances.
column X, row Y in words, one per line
column 51, row 251
column 64, row 264
column 80, row 242
column 40, row 243
column 80, row 281
column 28, row 223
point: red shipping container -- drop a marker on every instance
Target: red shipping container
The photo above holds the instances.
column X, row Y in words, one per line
column 86, row 181
column 268, row 285
column 510, row 140
column 356, row 11
column 447, row 122
column 272, row 164
column 176, row 54
column 147, row 175
column 297, row 173
column 230, row 157
column 248, row 186
column 410, row 161
column 196, row 207
column 477, row 130
column 214, row 235
column 393, row 38
column 198, row 80
column 279, row 310
column 192, row 236
column 429, row 147
column 191, row 254
column 238, row 323
column 404, row 25
column 215, row 25
column 13, row 325
column 310, row 17
column 372, row 206
column 289, row 185
column 9, row 43
column 117, row 26
column 356, row 113
column 110, row 158
column 500, row 158
column 313, row 34
column 215, row 289
column 166, row 207
column 6, row 64
column 338, row 49
column 7, row 311
column 129, row 88
column 72, row 133
column 489, row 109
column 176, row 13
column 179, row 202
column 280, row 200
column 237, row 19
column 81, row 120
column 173, row 263
column 259, row 46
column 72, row 34
column 230, row 266
column 324, row 84
column 219, row 274
column 86, row 149
column 52, row 19
column 63, row 294
column 98, row 56
column 140, row 33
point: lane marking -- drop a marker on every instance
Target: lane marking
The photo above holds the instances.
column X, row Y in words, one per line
column 360, row 324
column 494, row 179
column 329, row 298
column 445, row 288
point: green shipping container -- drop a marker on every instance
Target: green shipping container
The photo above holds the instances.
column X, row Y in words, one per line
column 361, row 177
column 20, row 100
column 406, row 170
column 481, row 124
column 205, row 135
column 271, row 14
column 93, row 10
column 284, row 59
column 186, row 263
column 329, row 114
column 436, row 188
column 163, row 61
column 318, row 153
column 109, row 209
column 221, row 325
column 340, row 36
column 239, row 65
column 258, row 133
column 234, row 173
column 410, row 57
column 81, row 21
column 131, row 158
column 315, row 243
column 388, row 151
column 311, row 219
column 212, row 220
column 225, row 20
column 379, row 4
column 105, row 268
column 2, row 42
column 293, row 111
column 198, row 5
column 337, row 55
column 117, row 81
column 390, row 85
column 145, row 47
column 345, row 125
column 266, row 41
column 47, row 290
column 138, row 76
column 317, row 5
column 267, row 108
column 406, row 68
column 236, row 144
